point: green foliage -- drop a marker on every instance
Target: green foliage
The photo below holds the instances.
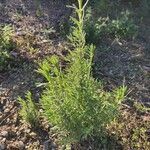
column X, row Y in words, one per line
column 95, row 29
column 122, row 27
column 5, row 45
column 73, row 100
column 140, row 107
column 139, row 138
column 28, row 111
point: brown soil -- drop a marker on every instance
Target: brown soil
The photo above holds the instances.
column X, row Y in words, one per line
column 126, row 60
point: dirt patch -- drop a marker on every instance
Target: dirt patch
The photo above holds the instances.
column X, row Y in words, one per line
column 128, row 62
column 123, row 60
column 29, row 19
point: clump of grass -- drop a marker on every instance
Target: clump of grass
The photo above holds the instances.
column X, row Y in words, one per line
column 5, row 45
column 73, row 100
column 140, row 107
column 28, row 111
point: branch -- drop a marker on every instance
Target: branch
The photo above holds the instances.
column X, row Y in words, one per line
column 73, row 6
column 85, row 4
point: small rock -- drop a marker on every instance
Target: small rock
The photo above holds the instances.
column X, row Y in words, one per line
column 6, row 110
column 4, row 134
column 33, row 135
column 19, row 33
column 23, row 139
column 49, row 145
column 7, row 120
column 21, row 145
column 47, row 126
column 3, row 140
column 27, row 131
column 2, row 146
column 14, row 54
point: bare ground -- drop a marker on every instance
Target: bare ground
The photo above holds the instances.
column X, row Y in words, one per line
column 127, row 60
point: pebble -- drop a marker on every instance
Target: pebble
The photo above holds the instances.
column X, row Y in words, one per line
column 49, row 145
column 21, row 145
column 27, row 130
column 7, row 120
column 33, row 135
column 47, row 126
column 6, row 110
column 2, row 146
column 4, row 134
column 3, row 140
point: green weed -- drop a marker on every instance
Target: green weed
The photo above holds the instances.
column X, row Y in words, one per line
column 141, row 108
column 122, row 27
column 28, row 111
column 5, row 45
column 73, row 100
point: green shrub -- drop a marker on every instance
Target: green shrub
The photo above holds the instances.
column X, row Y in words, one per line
column 28, row 111
column 95, row 28
column 122, row 27
column 73, row 100
column 5, row 45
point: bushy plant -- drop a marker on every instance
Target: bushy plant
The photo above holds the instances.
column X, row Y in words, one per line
column 73, row 100
column 95, row 28
column 122, row 27
column 5, row 45
column 28, row 111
